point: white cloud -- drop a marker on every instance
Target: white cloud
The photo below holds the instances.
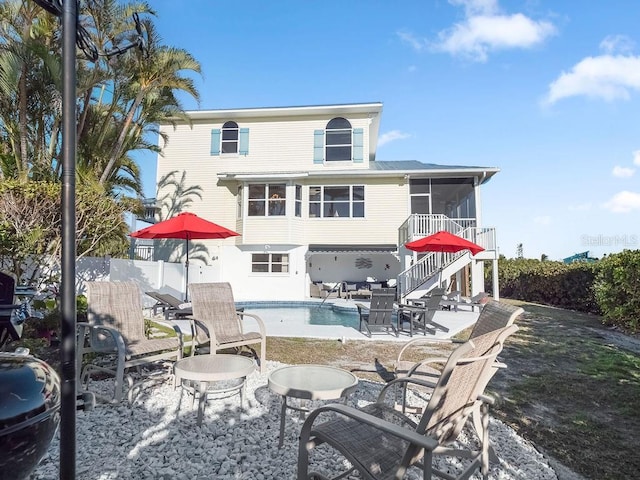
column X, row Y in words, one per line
column 622, row 172
column 410, row 39
column 485, row 29
column 608, row 77
column 617, row 44
column 636, row 157
column 623, row 202
column 392, row 136
column 542, row 220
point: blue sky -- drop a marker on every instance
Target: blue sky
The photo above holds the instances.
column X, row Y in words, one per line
column 546, row 90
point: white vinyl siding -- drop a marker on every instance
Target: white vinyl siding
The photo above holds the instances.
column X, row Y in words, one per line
column 189, row 150
column 265, row 152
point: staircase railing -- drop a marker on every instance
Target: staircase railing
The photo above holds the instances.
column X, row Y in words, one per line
column 432, row 263
column 424, row 269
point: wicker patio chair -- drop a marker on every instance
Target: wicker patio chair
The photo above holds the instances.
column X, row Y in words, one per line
column 494, row 316
column 379, row 314
column 220, row 324
column 381, row 443
column 116, row 325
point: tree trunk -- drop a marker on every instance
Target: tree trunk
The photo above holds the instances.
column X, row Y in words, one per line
column 117, row 148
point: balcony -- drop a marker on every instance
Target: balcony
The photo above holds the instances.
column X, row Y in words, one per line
column 421, row 225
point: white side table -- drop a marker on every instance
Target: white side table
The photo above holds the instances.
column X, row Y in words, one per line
column 309, row 382
column 206, row 369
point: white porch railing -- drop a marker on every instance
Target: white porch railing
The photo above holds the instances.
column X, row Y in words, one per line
column 421, row 225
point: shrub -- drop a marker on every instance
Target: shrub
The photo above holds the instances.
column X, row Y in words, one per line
column 562, row 285
column 616, row 289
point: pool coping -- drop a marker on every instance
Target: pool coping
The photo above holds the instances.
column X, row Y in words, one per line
column 455, row 321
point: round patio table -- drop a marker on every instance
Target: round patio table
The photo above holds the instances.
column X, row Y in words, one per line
column 230, row 371
column 309, row 382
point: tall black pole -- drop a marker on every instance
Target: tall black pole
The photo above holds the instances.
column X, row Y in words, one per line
column 68, row 205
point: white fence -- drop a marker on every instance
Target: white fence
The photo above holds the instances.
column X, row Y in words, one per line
column 161, row 276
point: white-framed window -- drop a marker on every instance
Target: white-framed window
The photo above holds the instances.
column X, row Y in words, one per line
column 239, row 204
column 338, row 140
column 270, row 262
column 267, row 199
column 344, row 201
column 230, row 138
column 298, row 206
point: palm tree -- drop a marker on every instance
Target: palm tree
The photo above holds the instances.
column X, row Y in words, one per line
column 121, row 99
column 154, row 81
column 29, row 68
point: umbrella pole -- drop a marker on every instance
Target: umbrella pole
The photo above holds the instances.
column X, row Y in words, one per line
column 186, row 264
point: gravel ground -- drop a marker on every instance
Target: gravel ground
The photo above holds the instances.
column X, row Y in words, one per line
column 156, row 437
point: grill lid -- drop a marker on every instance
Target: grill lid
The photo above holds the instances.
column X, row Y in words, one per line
column 29, row 388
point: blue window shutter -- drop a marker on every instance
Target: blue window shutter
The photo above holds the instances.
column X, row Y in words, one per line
column 358, row 143
column 318, row 146
column 215, row 141
column 244, row 141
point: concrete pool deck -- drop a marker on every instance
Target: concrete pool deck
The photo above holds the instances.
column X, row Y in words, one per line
column 290, row 327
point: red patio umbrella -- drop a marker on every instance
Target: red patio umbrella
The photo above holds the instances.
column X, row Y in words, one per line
column 443, row 241
column 188, row 226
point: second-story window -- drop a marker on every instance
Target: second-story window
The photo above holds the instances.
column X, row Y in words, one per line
column 230, row 137
column 267, row 199
column 336, row 201
column 338, row 140
column 298, row 201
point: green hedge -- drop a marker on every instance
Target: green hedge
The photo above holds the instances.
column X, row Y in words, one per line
column 617, row 289
column 608, row 287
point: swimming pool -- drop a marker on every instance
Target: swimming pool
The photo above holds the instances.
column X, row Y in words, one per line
column 305, row 312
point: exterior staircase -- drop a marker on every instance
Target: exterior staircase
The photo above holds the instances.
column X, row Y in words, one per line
column 428, row 272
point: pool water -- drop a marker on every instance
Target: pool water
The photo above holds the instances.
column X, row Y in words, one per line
column 309, row 314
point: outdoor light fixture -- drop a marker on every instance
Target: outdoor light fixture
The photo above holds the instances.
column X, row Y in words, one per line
column 83, row 40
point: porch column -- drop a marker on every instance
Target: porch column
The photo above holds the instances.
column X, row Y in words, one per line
column 496, row 286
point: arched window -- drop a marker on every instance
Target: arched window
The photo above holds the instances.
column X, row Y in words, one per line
column 338, row 140
column 230, row 138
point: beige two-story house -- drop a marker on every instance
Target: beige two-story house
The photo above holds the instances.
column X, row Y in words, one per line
column 302, row 187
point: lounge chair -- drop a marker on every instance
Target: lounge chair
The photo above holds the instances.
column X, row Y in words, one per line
column 116, row 326
column 171, row 306
column 379, row 314
column 382, row 443
column 478, row 300
column 420, row 312
column 218, row 323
